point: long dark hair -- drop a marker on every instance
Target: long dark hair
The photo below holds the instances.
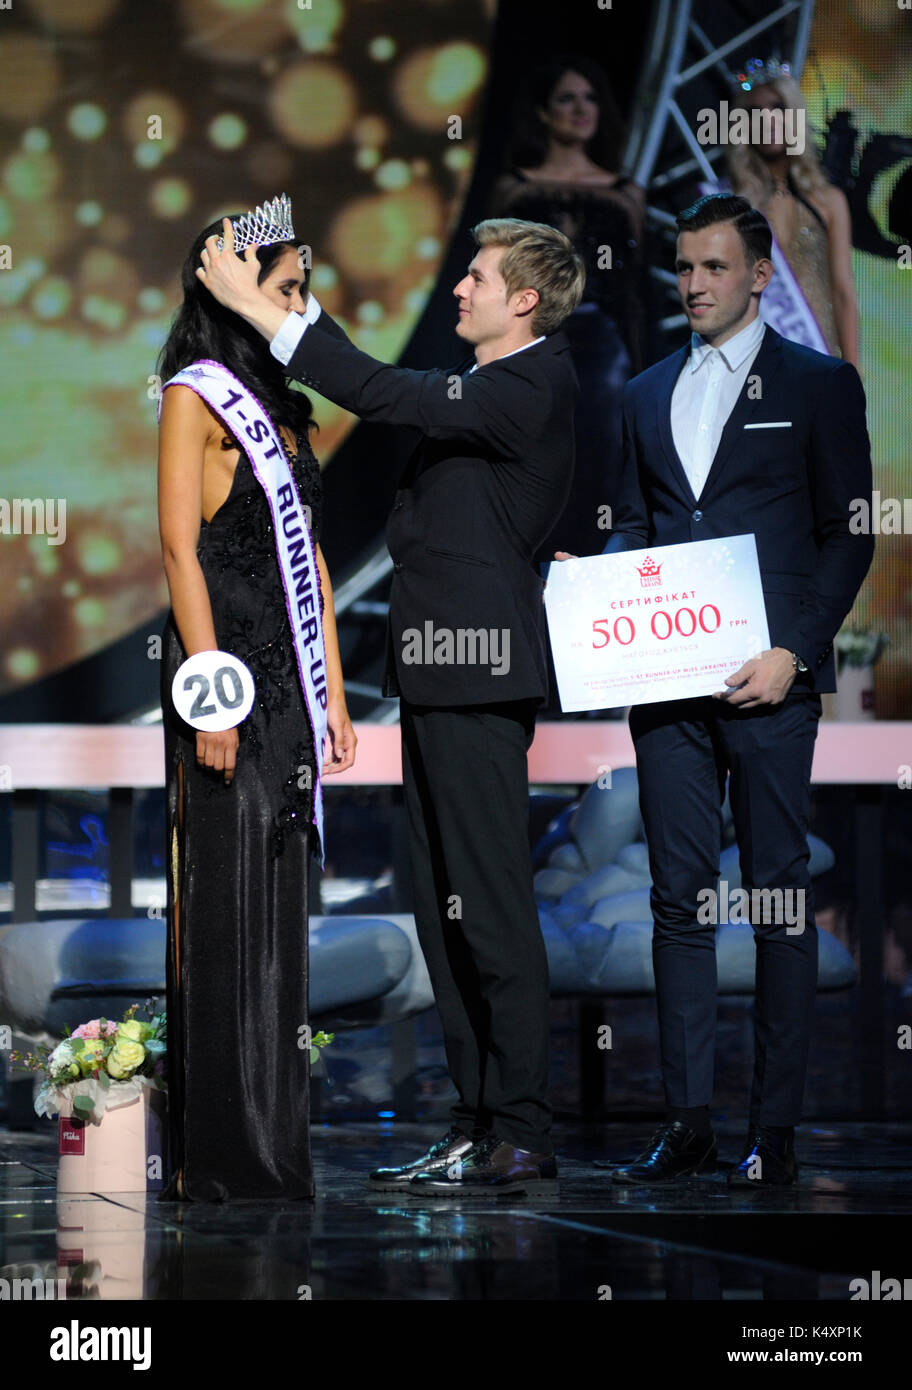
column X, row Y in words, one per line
column 204, row 328
column 529, row 141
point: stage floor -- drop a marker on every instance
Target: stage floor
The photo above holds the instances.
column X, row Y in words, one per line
column 694, row 1240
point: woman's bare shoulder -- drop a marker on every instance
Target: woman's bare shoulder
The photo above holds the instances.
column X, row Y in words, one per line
column 183, row 401
column 186, row 409
column 833, row 199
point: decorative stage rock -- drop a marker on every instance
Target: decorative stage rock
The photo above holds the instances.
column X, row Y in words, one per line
column 594, row 910
column 410, row 994
column 594, row 906
column 64, row 971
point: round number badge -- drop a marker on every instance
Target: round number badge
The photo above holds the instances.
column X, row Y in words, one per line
column 213, row 691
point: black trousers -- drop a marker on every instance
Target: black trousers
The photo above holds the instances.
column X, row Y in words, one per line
column 684, row 751
column 466, row 790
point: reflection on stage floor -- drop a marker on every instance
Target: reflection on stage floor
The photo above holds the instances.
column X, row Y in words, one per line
column 696, row 1239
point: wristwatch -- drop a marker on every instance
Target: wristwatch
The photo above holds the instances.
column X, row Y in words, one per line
column 797, row 662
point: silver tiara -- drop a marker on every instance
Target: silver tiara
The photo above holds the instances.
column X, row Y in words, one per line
column 759, row 73
column 265, row 225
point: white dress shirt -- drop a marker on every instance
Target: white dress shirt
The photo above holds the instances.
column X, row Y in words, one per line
column 704, row 397
column 282, row 346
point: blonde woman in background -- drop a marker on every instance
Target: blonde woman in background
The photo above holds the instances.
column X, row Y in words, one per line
column 809, row 215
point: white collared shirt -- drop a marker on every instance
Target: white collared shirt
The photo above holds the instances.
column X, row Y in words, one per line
column 282, row 346
column 705, row 394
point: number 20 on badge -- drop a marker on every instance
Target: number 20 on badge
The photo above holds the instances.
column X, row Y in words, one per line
column 212, row 691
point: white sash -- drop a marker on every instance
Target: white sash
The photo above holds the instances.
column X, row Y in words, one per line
column 784, row 307
column 782, row 304
column 248, row 422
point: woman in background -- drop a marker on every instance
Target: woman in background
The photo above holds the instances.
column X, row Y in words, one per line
column 809, row 215
column 564, row 152
column 240, row 803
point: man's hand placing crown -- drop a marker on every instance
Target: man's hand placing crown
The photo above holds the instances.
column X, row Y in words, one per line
column 233, row 282
column 230, row 280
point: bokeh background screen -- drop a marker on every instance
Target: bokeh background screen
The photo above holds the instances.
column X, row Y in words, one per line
column 126, row 128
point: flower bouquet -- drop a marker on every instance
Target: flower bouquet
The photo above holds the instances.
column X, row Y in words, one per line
column 114, row 1070
column 100, row 1065
column 859, row 646
column 318, row 1041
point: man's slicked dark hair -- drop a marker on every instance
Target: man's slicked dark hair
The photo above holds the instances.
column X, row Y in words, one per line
column 751, row 226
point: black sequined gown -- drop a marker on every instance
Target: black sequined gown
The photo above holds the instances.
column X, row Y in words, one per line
column 237, row 962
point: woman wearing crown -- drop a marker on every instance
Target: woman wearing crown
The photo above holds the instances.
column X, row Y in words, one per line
column 239, row 515
column 808, row 214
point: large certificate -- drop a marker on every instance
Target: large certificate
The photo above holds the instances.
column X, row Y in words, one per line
column 667, row 623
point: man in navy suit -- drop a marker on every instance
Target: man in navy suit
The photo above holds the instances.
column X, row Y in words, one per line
column 740, row 431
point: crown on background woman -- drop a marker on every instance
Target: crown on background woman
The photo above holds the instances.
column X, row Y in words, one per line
column 266, row 224
column 758, row 72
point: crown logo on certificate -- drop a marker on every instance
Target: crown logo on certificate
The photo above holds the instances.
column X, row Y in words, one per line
column 650, row 573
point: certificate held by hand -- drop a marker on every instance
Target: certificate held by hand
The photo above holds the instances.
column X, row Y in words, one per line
column 666, row 623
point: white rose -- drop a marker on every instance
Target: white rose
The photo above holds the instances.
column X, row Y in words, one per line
column 62, row 1056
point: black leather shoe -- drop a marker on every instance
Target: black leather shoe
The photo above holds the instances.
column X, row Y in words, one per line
column 769, row 1161
column 491, row 1167
column 454, row 1145
column 675, row 1151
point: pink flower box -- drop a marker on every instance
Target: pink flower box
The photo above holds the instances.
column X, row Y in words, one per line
column 124, row 1152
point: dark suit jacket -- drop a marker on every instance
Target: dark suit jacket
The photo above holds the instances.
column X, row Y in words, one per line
column 492, row 471
column 791, row 485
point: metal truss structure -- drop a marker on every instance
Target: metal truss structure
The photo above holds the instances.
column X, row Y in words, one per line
column 693, row 48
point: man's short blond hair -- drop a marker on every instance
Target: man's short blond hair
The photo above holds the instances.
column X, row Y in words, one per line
column 537, row 257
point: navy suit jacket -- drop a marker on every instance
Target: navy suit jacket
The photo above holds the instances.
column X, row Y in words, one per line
column 791, row 484
column 492, row 470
